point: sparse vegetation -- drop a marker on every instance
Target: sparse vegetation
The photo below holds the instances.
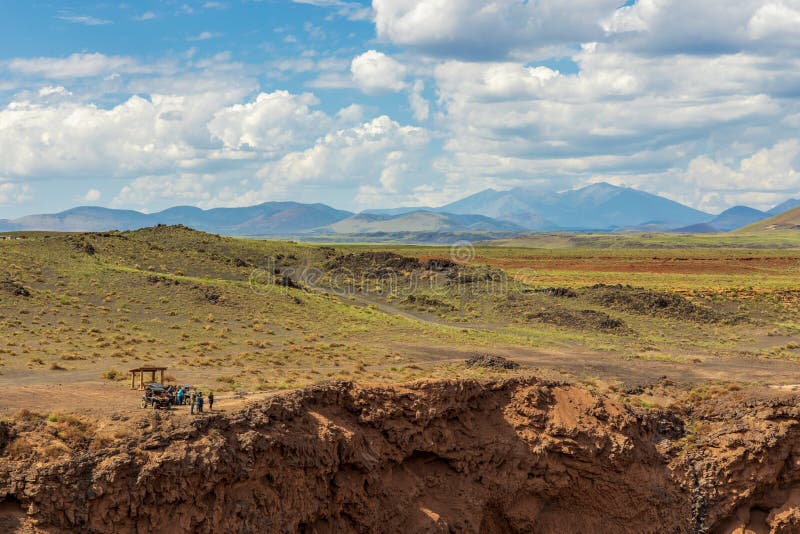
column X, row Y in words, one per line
column 112, row 374
column 239, row 314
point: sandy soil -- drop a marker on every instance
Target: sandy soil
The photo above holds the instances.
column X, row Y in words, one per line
column 83, row 392
column 92, row 397
column 610, row 366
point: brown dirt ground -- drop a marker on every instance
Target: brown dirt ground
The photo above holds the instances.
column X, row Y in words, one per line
column 87, row 396
column 609, row 367
column 83, row 392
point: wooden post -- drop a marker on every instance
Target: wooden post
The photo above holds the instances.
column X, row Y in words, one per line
column 132, row 379
column 162, row 377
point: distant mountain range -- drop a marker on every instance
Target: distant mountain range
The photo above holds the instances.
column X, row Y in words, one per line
column 419, row 221
column 736, row 217
column 730, row 219
column 785, row 206
column 601, row 206
column 264, row 219
column 597, row 207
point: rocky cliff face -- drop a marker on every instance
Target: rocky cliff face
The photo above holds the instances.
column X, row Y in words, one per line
column 521, row 455
column 744, row 468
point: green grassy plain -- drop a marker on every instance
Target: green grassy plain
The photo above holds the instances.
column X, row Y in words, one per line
column 87, row 307
column 759, row 285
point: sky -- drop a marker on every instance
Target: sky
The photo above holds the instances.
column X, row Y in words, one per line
column 149, row 104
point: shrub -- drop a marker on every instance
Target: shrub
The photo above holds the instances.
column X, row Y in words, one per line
column 226, row 379
column 111, row 374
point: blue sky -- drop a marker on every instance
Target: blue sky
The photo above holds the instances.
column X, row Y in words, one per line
column 145, row 105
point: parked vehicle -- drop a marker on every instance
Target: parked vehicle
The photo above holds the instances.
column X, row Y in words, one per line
column 156, row 396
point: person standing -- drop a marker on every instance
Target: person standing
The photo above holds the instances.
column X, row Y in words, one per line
column 210, row 401
column 199, row 402
column 179, row 397
column 191, row 404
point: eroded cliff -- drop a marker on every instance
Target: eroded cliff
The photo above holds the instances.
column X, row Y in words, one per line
column 520, row 455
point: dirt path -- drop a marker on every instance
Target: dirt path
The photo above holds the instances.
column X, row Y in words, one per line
column 391, row 309
column 83, row 392
column 98, row 398
column 689, row 369
column 609, row 366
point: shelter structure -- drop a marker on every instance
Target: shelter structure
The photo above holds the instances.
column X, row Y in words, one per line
column 140, row 372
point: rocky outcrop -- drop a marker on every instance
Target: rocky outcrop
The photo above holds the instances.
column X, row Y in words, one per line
column 520, row 455
column 744, row 469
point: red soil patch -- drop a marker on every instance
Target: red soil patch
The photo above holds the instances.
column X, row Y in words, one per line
column 742, row 265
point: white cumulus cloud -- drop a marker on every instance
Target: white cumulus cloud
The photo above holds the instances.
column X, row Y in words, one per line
column 274, row 122
column 773, row 172
column 478, row 29
column 83, row 140
column 14, row 193
column 178, row 188
column 375, row 72
column 420, row 108
column 776, row 19
column 92, row 195
column 351, row 155
column 51, row 90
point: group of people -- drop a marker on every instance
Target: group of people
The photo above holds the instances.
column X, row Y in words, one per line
column 196, row 400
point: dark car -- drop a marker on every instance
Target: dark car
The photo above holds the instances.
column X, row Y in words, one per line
column 156, row 396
